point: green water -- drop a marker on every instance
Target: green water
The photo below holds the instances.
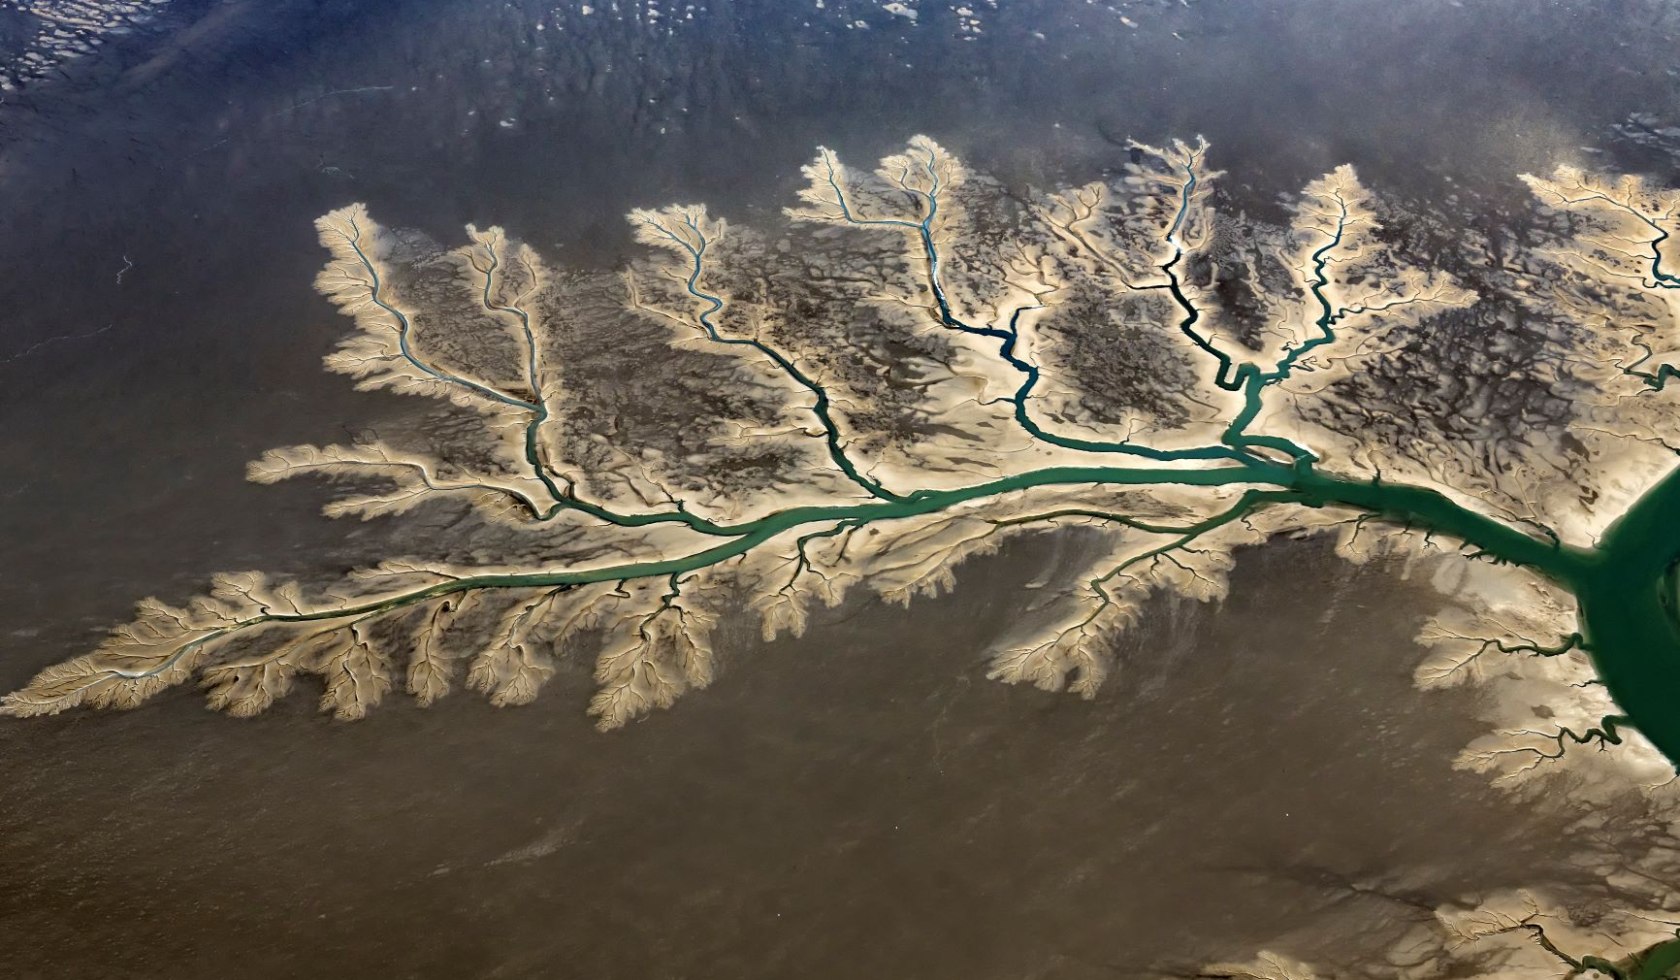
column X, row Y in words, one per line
column 1626, row 586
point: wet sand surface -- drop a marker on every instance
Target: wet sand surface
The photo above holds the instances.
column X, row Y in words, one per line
column 860, row 802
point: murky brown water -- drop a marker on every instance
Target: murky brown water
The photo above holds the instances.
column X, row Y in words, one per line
column 859, row 803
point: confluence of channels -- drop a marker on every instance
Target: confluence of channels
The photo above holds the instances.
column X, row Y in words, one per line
column 1628, row 586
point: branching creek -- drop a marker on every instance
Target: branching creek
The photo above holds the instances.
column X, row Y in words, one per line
column 1628, row 587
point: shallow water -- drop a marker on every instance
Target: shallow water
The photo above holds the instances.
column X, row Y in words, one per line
column 857, row 803
column 860, row 802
